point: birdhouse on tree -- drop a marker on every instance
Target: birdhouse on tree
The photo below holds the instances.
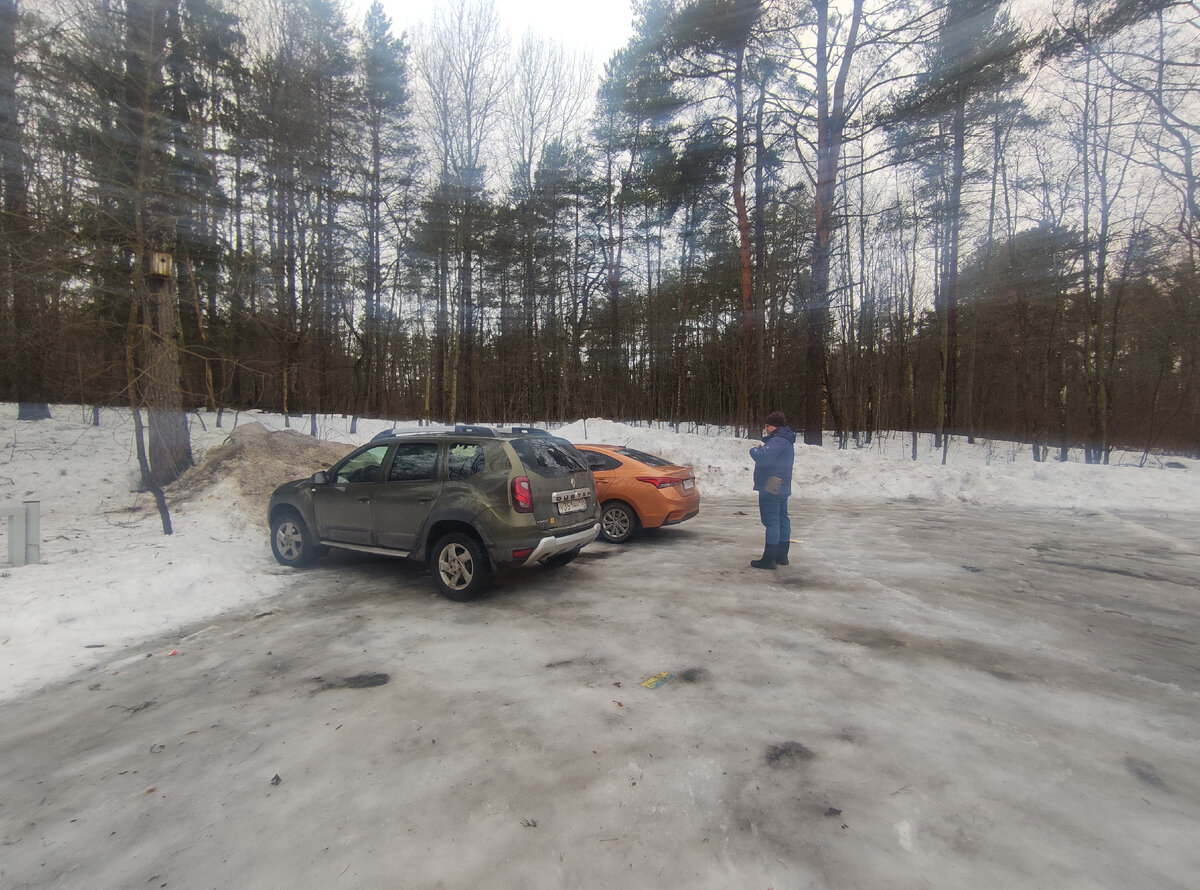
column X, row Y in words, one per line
column 162, row 265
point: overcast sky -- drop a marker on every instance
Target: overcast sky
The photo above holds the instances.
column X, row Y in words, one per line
column 598, row 26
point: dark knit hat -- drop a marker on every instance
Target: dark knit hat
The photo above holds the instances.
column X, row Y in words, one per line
column 775, row 418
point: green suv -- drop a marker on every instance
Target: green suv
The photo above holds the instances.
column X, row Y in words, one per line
column 467, row 502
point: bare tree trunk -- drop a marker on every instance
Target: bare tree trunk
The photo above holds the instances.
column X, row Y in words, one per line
column 160, row 498
column 831, row 125
column 25, row 365
column 157, row 330
column 954, row 224
column 615, row 250
column 170, row 449
column 749, row 381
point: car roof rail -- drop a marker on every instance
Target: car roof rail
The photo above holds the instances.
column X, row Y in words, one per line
column 475, row 430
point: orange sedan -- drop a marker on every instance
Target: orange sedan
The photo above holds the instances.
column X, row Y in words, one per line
column 637, row 490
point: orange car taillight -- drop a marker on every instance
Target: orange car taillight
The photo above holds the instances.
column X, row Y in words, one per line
column 661, row 481
column 522, row 495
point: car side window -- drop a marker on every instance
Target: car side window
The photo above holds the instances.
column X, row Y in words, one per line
column 465, row 459
column 362, row 467
column 597, row 461
column 414, row 462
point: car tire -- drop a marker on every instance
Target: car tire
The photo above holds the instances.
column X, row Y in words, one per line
column 460, row 567
column 291, row 541
column 618, row 522
column 561, row 559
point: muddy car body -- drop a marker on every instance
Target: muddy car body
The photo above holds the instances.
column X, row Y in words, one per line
column 469, row 503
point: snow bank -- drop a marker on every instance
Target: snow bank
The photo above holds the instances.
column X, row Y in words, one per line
column 985, row 474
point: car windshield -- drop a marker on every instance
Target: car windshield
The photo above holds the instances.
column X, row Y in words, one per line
column 548, row 456
column 648, row 459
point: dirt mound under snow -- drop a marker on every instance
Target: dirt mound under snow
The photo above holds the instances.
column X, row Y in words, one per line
column 257, row 461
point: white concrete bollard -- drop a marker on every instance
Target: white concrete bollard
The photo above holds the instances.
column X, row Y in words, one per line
column 24, row 532
column 33, row 532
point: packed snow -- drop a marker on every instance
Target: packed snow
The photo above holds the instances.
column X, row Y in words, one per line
column 108, row 575
column 979, row 674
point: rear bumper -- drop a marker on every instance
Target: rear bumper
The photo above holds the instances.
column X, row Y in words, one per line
column 549, row 547
column 674, row 507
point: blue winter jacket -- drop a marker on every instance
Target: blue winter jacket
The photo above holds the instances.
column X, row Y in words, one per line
column 775, row 457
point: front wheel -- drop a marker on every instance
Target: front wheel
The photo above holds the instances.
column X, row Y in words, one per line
column 618, row 522
column 460, row 567
column 291, row 542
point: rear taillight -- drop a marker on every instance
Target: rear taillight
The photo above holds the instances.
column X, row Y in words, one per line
column 661, row 481
column 522, row 495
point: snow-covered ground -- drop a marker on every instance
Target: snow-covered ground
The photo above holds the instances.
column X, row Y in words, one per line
column 108, row 575
column 977, row 675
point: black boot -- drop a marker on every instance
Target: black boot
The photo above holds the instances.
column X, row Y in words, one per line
column 781, row 552
column 767, row 561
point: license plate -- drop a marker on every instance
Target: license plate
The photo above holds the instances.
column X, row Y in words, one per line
column 572, row 501
column 689, row 484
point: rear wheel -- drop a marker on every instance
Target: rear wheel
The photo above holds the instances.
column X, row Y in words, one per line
column 291, row 541
column 618, row 522
column 460, row 567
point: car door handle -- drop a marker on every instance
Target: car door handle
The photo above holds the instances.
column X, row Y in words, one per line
column 365, row 500
column 425, row 500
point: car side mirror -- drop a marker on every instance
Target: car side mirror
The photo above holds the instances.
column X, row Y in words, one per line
column 319, row 477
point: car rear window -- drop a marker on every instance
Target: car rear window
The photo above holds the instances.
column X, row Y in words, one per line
column 548, row 457
column 648, row 459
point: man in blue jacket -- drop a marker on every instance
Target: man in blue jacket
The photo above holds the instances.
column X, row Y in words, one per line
column 773, row 461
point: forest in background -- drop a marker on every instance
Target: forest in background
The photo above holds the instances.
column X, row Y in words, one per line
column 970, row 217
